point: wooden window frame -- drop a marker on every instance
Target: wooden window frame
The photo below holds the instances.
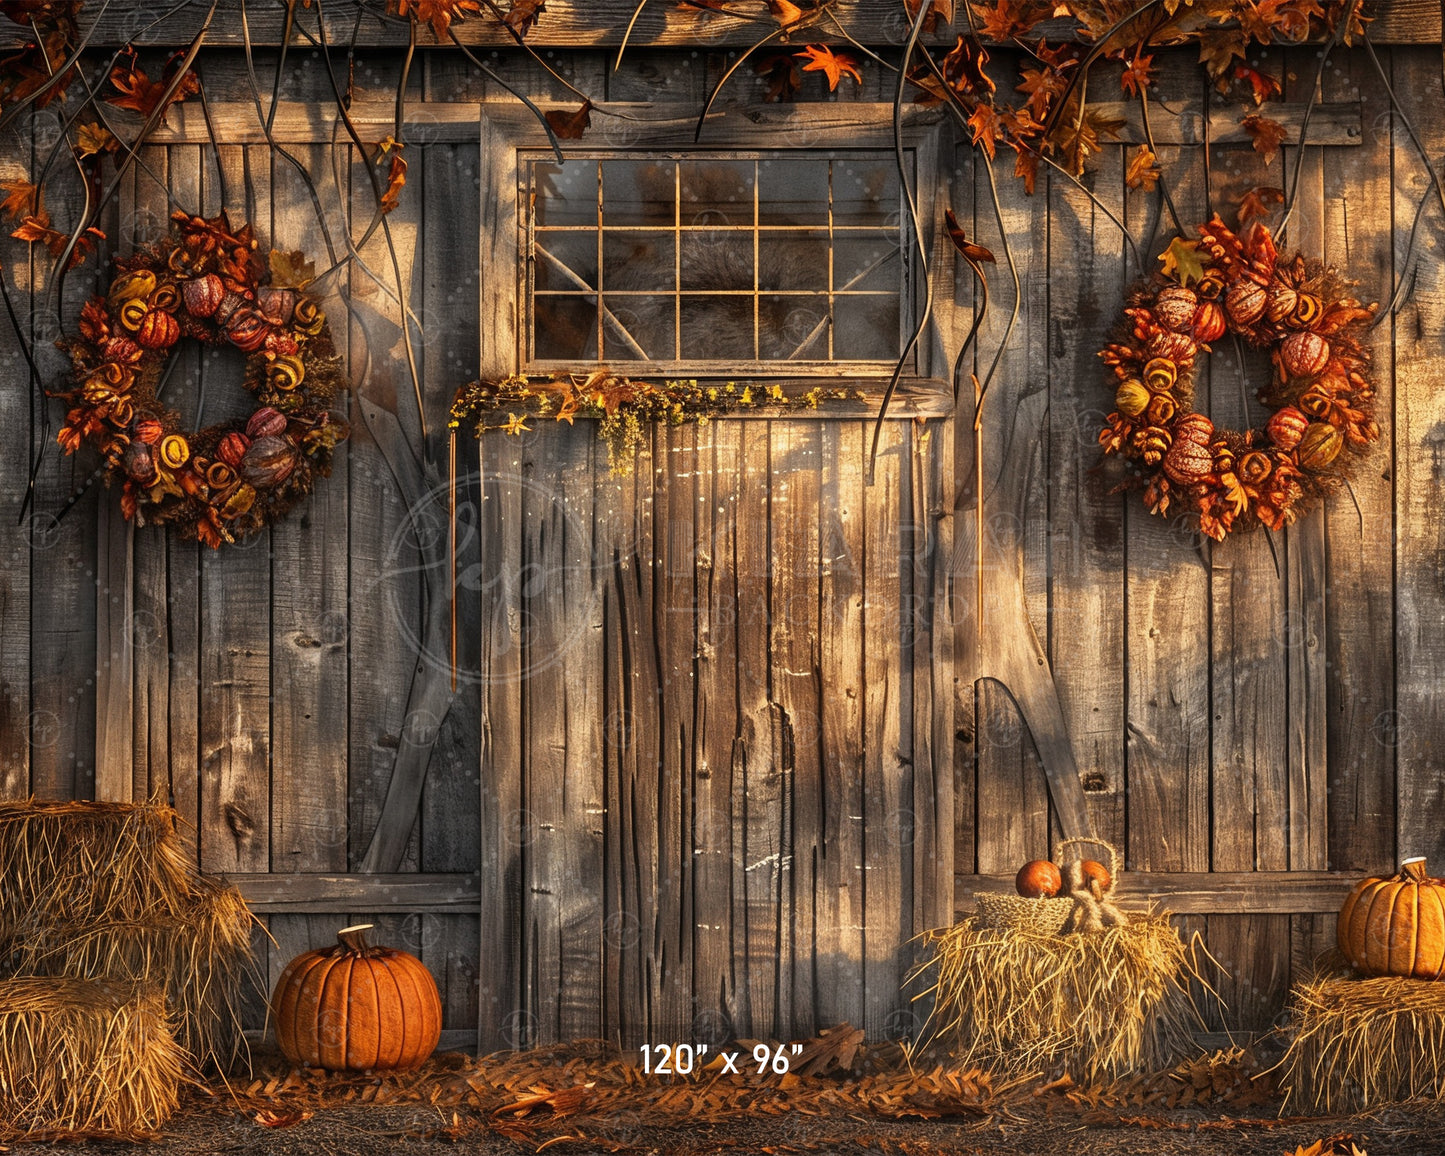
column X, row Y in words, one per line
column 509, row 133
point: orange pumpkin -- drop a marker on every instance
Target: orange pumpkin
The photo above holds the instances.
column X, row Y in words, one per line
column 354, row 1007
column 1038, row 878
column 1094, row 870
column 1396, row 926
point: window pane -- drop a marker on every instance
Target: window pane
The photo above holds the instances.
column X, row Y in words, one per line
column 566, row 194
column 638, row 192
column 863, row 261
column 717, row 327
column 565, row 328
column 792, row 191
column 638, row 328
column 789, row 262
column 865, row 193
column 637, row 261
column 866, row 328
column 793, row 327
column 717, row 259
column 717, row 192
column 565, row 259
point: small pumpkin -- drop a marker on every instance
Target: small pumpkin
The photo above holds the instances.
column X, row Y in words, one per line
column 354, row 1007
column 1396, row 925
column 203, row 295
column 1038, row 879
column 158, row 330
column 1094, row 871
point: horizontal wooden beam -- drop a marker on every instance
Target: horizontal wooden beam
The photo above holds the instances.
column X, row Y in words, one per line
column 402, row 893
column 1202, row 893
column 602, row 23
column 442, row 122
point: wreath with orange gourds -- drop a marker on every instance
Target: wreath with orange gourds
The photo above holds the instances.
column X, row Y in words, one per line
column 1320, row 393
column 206, row 281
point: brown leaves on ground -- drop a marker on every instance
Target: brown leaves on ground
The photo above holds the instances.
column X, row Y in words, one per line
column 1327, row 1147
column 833, row 65
column 1266, row 134
column 139, row 93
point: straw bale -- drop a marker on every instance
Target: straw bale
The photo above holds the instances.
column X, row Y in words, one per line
column 108, row 890
column 200, row 957
column 1359, row 1043
column 85, row 1057
column 1096, row 1005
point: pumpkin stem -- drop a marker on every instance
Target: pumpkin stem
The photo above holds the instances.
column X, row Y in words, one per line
column 1414, row 869
column 353, row 939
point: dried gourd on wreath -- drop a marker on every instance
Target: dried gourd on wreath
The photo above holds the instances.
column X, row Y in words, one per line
column 1320, row 393
column 206, row 281
column 355, row 1007
column 1396, row 925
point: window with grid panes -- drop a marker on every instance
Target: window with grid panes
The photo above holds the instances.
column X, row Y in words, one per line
column 716, row 263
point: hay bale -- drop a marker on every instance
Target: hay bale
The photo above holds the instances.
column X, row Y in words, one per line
column 108, row 890
column 1095, row 1005
column 78, row 861
column 200, row 957
column 1359, row 1043
column 88, row 1057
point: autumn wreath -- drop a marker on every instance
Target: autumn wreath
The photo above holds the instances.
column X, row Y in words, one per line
column 1320, row 391
column 206, row 281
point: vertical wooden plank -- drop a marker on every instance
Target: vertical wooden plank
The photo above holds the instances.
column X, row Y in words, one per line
column 886, row 769
column 840, row 889
column 675, row 472
column 1419, row 496
column 1249, row 686
column 1167, row 603
column 632, row 719
column 309, row 621
column 1360, row 643
column 933, row 673
column 562, row 723
column 235, row 729
column 1086, row 642
column 63, row 566
column 1012, row 798
column 792, row 470
column 450, row 314
column 385, row 558
column 504, row 828
column 764, row 762
column 715, row 729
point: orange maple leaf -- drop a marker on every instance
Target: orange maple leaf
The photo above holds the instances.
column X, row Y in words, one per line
column 22, row 199
column 139, row 93
column 835, row 65
column 523, row 14
column 1263, row 85
column 1143, row 172
column 1267, row 135
column 1257, row 203
column 395, row 180
column 985, row 125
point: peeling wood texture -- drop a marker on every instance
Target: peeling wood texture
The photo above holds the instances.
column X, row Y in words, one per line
column 718, row 768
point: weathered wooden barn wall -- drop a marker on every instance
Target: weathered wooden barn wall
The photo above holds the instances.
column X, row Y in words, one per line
column 1252, row 726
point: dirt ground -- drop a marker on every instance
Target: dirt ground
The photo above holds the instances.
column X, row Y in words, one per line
column 585, row 1099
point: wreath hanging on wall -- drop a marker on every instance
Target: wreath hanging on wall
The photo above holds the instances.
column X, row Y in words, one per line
column 209, row 282
column 1320, row 392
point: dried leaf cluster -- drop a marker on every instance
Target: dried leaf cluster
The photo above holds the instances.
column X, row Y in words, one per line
column 625, row 407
